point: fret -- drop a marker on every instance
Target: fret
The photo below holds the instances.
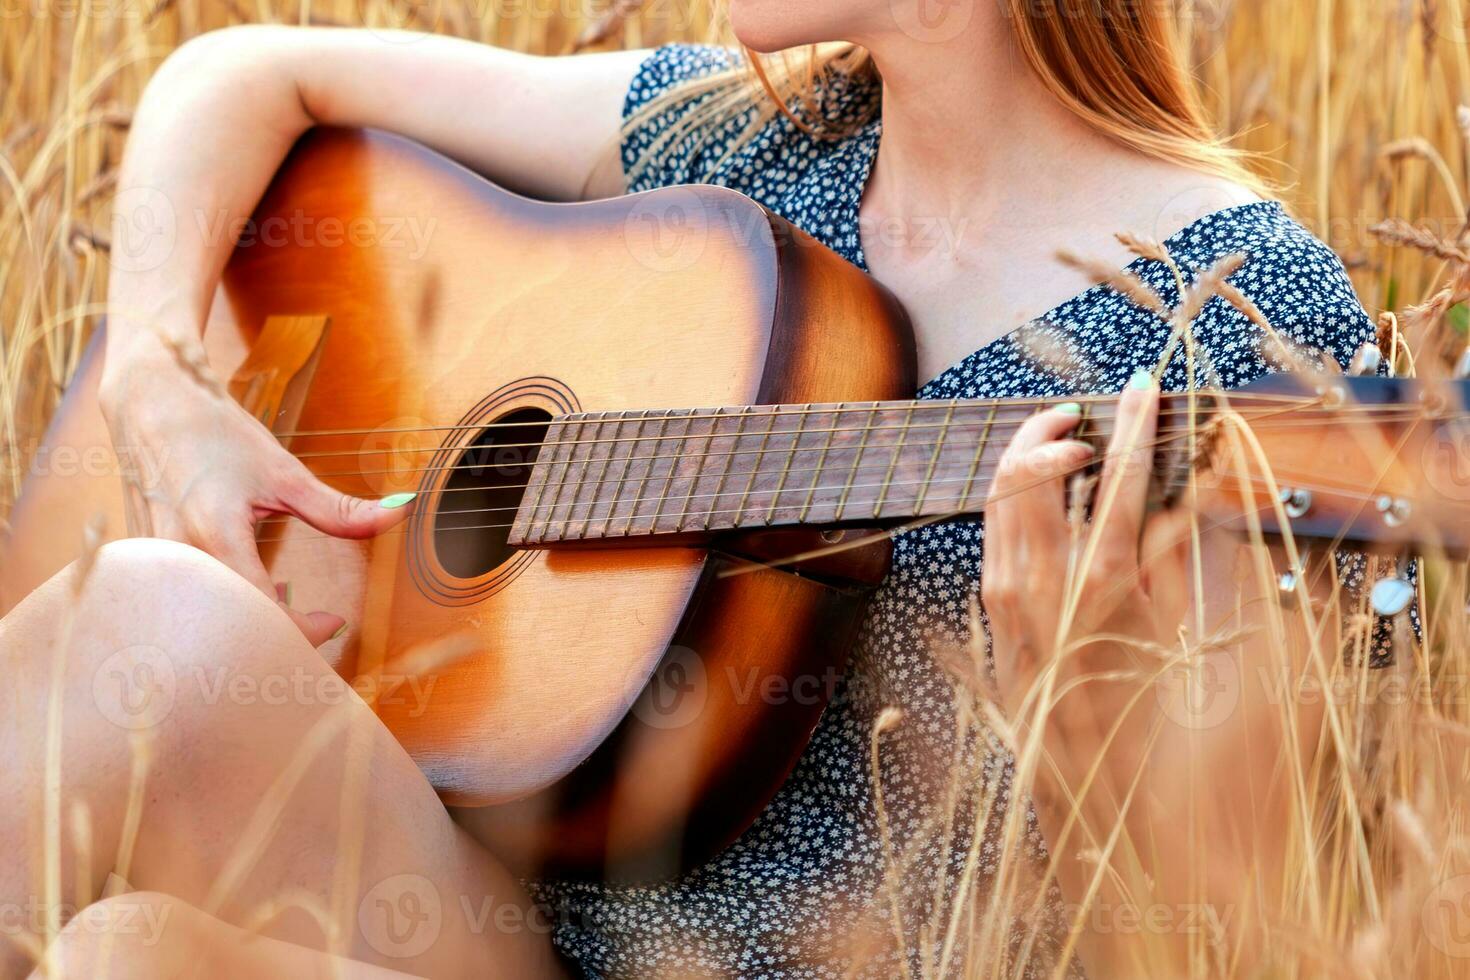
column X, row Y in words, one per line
column 908, row 420
column 755, row 469
column 591, row 487
column 857, row 463
column 725, row 473
column 605, row 496
column 525, row 517
column 709, row 441
column 786, row 469
column 615, row 498
column 571, row 447
column 679, row 443
column 975, row 463
column 637, row 497
column 821, row 463
column 934, row 459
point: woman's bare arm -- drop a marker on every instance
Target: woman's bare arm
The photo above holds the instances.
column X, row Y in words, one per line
column 211, row 130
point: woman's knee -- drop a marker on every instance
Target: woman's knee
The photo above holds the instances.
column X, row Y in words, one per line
column 159, row 635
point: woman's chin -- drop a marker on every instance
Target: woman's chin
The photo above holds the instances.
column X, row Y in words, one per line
column 765, row 27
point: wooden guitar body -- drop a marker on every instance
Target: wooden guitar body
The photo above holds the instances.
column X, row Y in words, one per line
column 411, row 303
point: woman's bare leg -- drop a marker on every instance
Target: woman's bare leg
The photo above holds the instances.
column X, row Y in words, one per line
column 149, row 936
column 271, row 797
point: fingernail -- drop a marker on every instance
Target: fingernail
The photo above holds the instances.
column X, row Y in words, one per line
column 1143, row 379
column 396, row 500
column 1070, row 408
column 286, row 594
column 340, row 630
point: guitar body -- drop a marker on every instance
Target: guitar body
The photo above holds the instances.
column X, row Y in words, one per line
column 397, row 303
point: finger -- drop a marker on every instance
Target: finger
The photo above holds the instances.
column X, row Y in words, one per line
column 1040, row 506
column 1128, row 469
column 317, row 627
column 339, row 514
column 1026, row 515
column 1164, row 561
column 1020, row 467
column 237, row 550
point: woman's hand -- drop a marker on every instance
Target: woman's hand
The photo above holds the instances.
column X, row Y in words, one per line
column 211, row 129
column 1053, row 584
column 213, row 471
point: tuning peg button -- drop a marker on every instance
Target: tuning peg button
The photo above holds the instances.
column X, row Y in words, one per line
column 1392, row 595
column 1367, row 360
column 1462, row 367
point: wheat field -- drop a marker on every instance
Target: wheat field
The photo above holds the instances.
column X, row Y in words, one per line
column 1355, row 109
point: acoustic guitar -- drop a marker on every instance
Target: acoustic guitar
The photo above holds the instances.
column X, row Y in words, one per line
column 614, row 617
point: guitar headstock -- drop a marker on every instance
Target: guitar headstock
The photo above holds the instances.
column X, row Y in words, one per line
column 1375, row 463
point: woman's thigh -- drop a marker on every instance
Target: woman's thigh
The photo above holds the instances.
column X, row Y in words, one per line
column 170, row 723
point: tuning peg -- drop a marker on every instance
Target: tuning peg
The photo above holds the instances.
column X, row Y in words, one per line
column 1392, row 595
column 1367, row 360
column 1462, row 367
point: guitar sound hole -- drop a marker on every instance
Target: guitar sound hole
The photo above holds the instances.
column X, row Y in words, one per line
column 479, row 500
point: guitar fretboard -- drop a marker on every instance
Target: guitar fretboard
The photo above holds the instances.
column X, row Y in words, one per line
column 632, row 474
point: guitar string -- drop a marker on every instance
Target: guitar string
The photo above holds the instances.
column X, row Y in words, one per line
column 983, row 475
column 815, row 408
column 948, row 425
column 1254, row 483
column 603, row 479
column 958, row 442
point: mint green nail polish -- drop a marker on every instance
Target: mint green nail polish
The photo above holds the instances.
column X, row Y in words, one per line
column 1070, row 408
column 396, row 500
column 1142, row 379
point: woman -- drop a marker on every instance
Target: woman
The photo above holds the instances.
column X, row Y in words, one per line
column 981, row 138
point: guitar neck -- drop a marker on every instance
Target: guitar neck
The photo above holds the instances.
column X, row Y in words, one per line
column 875, row 464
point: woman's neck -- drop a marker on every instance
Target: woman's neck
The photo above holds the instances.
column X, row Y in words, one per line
column 971, row 134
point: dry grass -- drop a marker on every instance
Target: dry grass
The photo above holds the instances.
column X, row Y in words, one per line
column 1355, row 108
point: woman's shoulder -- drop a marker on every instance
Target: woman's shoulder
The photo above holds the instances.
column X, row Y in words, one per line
column 672, row 65
column 1295, row 280
column 695, row 113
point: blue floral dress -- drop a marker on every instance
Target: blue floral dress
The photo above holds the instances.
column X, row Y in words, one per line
column 787, row 898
